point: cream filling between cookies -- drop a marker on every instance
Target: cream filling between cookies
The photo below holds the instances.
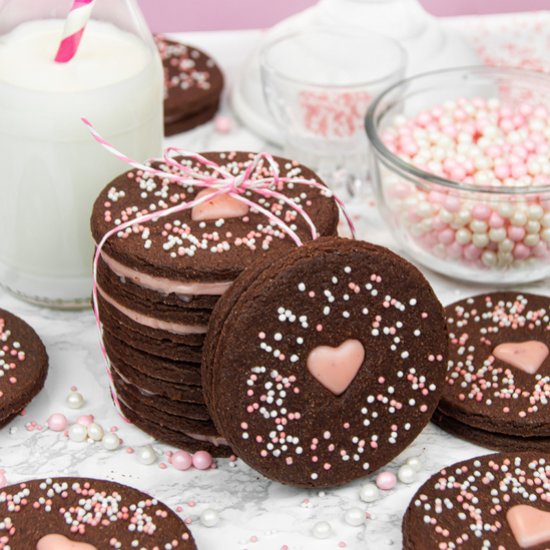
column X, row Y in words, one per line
column 151, row 322
column 216, row 440
column 165, row 285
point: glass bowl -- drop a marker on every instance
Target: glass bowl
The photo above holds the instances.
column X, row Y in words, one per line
column 318, row 85
column 482, row 230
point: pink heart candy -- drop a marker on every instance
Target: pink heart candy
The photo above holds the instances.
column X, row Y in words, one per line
column 526, row 356
column 336, row 368
column 529, row 525
column 222, row 206
column 59, row 542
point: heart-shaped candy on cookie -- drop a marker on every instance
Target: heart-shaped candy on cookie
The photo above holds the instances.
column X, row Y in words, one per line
column 60, row 542
column 335, row 368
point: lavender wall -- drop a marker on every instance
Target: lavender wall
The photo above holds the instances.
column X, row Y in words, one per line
column 195, row 15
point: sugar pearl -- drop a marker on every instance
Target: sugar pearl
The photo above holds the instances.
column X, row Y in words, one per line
column 354, row 517
column 57, row 422
column 369, row 492
column 74, row 400
column 78, row 433
column 95, row 432
column 321, row 530
column 415, row 463
column 111, row 441
column 202, row 460
column 406, row 474
column 386, row 481
column 210, row 518
column 181, row 460
column 85, row 420
column 146, row 455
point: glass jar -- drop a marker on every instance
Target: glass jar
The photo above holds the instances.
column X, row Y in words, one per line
column 52, row 170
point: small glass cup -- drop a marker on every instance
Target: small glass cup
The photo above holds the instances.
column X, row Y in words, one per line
column 318, row 85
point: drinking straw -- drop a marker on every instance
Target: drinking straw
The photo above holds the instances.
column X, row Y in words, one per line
column 75, row 24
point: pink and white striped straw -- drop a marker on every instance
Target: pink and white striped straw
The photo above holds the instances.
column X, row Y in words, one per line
column 75, row 24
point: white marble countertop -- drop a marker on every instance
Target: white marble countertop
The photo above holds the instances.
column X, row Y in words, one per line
column 254, row 512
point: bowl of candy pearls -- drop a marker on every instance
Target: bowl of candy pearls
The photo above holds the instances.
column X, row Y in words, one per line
column 460, row 159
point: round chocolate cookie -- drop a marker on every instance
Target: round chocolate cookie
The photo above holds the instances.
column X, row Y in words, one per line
column 88, row 514
column 200, row 251
column 23, row 365
column 499, row 501
column 193, row 85
column 497, row 387
column 321, row 366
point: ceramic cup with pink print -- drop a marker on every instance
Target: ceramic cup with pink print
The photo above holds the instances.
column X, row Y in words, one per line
column 318, row 85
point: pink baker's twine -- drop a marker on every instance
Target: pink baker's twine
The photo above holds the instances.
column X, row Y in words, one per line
column 224, row 184
column 75, row 24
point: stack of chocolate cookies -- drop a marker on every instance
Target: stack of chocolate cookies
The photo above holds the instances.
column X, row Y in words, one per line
column 159, row 281
column 193, row 85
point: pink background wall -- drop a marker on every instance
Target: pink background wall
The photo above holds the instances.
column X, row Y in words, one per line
column 198, row 15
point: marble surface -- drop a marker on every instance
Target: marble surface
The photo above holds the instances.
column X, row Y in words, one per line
column 254, row 512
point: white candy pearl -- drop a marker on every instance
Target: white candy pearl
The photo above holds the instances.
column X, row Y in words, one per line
column 146, row 455
column 489, row 258
column 354, row 517
column 111, row 441
column 210, row 518
column 74, row 400
column 321, row 530
column 78, row 433
column 415, row 463
column 369, row 492
column 463, row 236
column 95, row 432
column 406, row 474
column 480, row 240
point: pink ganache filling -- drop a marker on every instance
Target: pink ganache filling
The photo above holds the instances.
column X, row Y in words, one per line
column 216, row 440
column 151, row 322
column 164, row 285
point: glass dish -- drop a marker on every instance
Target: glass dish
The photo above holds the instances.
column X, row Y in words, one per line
column 493, row 234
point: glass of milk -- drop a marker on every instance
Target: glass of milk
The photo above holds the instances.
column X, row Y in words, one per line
column 51, row 169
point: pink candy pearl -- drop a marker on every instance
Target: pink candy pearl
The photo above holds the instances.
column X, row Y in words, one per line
column 447, row 236
column 386, row 481
column 472, row 253
column 223, row 124
column 481, row 212
column 85, row 419
column 521, row 252
column 57, row 422
column 202, row 460
column 516, row 233
column 496, row 221
column 181, row 460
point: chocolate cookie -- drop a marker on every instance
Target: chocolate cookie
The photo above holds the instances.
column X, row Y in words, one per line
column 215, row 445
column 499, row 371
column 499, row 501
column 86, row 514
column 201, row 251
column 492, row 440
column 193, row 85
column 23, row 365
column 321, row 366
column 164, row 370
